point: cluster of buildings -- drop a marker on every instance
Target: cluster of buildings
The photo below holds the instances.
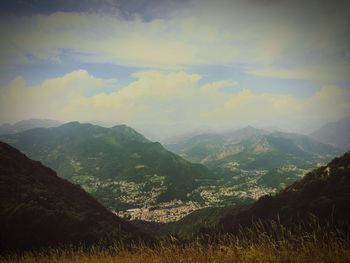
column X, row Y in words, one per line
column 142, row 197
column 163, row 212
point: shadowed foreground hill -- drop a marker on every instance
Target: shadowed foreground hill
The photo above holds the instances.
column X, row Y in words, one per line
column 321, row 197
column 39, row 209
column 323, row 193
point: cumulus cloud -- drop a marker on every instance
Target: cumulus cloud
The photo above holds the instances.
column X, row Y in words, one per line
column 18, row 100
column 214, row 86
column 168, row 101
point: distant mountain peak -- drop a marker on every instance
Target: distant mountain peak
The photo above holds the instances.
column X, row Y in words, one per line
column 71, row 123
column 27, row 125
column 335, row 133
column 245, row 132
column 76, row 126
column 123, row 127
column 250, row 128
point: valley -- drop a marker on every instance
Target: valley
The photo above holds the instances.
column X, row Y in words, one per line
column 64, row 217
column 140, row 180
column 245, row 188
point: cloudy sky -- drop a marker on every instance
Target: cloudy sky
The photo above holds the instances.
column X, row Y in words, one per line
column 167, row 67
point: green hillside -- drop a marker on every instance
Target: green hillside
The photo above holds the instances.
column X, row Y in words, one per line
column 252, row 147
column 119, row 166
column 252, row 158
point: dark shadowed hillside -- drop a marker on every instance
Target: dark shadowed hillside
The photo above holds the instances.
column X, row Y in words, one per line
column 323, row 193
column 190, row 226
column 39, row 209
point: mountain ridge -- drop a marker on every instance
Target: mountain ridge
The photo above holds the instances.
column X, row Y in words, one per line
column 24, row 125
column 112, row 162
column 334, row 133
column 237, row 141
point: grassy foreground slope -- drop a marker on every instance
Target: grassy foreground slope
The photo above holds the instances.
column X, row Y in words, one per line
column 299, row 249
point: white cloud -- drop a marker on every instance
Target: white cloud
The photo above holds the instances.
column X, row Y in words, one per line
column 18, row 100
column 168, row 102
column 214, row 86
column 325, row 73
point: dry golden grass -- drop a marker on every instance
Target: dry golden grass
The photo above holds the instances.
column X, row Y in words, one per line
column 307, row 252
column 254, row 245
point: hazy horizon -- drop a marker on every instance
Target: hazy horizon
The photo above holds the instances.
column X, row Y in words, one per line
column 167, row 137
column 167, row 68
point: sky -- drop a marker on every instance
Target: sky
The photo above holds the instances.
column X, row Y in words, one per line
column 168, row 67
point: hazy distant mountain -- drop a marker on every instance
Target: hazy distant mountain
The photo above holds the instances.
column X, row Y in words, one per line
column 27, row 124
column 250, row 147
column 39, row 209
column 202, row 148
column 119, row 166
column 182, row 137
column 255, row 161
column 335, row 133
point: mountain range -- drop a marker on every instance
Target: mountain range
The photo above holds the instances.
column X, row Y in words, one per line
column 38, row 209
column 140, row 179
column 118, row 166
column 24, row 125
column 256, row 157
column 250, row 147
